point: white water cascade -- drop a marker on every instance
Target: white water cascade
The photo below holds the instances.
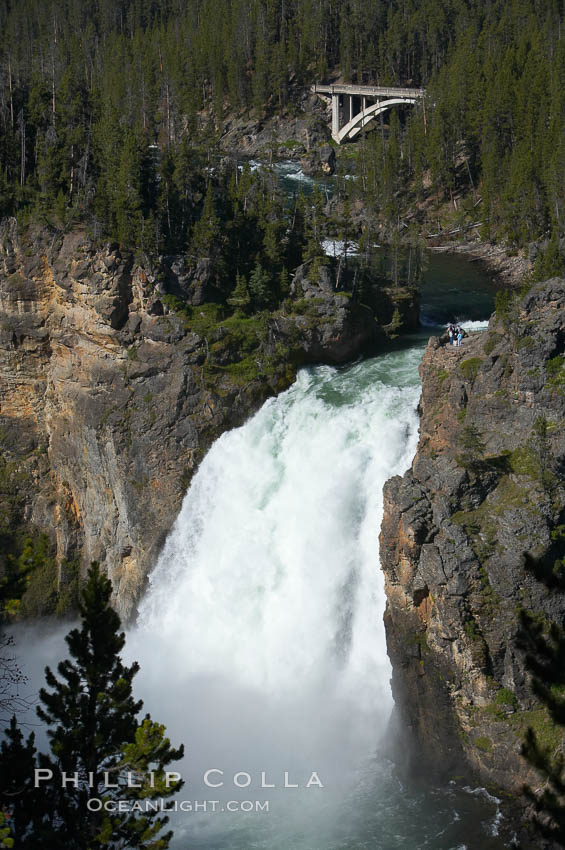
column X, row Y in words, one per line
column 261, row 639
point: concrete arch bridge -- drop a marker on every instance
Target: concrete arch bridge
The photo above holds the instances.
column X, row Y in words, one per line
column 353, row 107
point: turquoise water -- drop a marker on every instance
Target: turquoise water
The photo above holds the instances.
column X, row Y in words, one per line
column 454, row 289
column 291, row 179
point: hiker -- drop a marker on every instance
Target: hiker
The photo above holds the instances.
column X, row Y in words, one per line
column 450, row 332
column 459, row 336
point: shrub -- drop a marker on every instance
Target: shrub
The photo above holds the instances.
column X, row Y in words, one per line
column 506, row 697
column 483, row 743
column 490, row 343
column 472, row 446
column 469, row 368
column 503, row 304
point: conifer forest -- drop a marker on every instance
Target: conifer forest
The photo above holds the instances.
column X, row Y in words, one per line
column 109, row 111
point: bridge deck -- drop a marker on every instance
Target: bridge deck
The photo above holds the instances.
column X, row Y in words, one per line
column 367, row 91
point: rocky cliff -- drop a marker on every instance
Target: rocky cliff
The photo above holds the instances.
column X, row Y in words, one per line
column 486, row 487
column 115, row 378
column 298, row 131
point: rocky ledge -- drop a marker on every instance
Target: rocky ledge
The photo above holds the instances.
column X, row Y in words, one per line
column 115, row 378
column 485, row 487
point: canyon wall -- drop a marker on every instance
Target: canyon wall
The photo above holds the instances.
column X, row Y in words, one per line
column 485, row 490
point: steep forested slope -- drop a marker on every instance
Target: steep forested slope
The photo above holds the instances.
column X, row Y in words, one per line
column 102, row 103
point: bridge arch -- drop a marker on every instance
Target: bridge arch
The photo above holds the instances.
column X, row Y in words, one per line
column 353, row 127
column 345, row 98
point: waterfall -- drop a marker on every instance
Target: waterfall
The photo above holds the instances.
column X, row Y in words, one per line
column 260, row 638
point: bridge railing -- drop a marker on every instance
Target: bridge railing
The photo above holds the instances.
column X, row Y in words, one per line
column 367, row 91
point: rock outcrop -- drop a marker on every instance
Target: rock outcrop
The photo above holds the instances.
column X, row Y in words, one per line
column 116, row 378
column 486, row 487
column 319, row 161
column 282, row 135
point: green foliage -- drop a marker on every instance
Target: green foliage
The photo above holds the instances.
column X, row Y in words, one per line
column 491, row 342
column 506, row 697
column 240, row 298
column 110, row 112
column 128, row 192
column 93, row 728
column 26, row 805
column 29, row 585
column 41, row 594
column 472, row 446
column 482, row 743
column 524, row 342
column 206, row 238
column 69, row 586
column 555, row 371
column 541, row 448
column 260, row 287
column 5, row 839
column 469, row 368
column 544, row 645
column 489, row 598
column 523, row 461
column 549, row 262
column 33, row 585
column 547, row 733
column 503, row 305
column 396, row 321
column 284, row 283
column 470, row 629
column 178, row 306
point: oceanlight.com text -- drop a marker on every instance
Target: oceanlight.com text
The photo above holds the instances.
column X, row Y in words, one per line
column 95, row 804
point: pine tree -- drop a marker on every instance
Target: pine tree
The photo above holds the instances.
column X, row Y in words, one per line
column 259, row 287
column 240, row 298
column 297, row 235
column 206, row 235
column 128, row 201
column 314, row 230
column 545, row 657
column 273, row 229
column 25, row 807
column 95, row 735
column 549, row 262
column 472, row 447
column 284, row 283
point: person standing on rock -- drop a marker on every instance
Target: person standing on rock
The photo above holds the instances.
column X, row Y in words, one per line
column 459, row 336
column 450, row 332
